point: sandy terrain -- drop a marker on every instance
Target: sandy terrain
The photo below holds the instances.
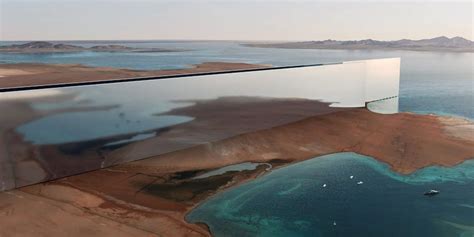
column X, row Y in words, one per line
column 26, row 74
column 405, row 141
column 24, row 214
column 151, row 197
column 7, row 72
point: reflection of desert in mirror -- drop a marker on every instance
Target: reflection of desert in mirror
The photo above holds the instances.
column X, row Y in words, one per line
column 214, row 118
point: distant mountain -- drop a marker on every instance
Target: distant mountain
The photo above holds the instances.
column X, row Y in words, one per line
column 48, row 47
column 457, row 44
column 41, row 45
column 442, row 41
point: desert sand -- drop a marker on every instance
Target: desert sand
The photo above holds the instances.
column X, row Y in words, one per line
column 29, row 74
column 151, row 197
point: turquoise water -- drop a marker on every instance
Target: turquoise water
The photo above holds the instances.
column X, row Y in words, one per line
column 431, row 82
column 292, row 201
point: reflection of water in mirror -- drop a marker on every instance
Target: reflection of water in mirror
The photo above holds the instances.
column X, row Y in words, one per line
column 83, row 126
column 138, row 103
column 384, row 106
column 236, row 167
column 138, row 137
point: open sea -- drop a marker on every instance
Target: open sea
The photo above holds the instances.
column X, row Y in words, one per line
column 291, row 201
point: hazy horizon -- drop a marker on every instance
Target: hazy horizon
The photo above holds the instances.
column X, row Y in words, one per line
column 230, row 40
column 241, row 20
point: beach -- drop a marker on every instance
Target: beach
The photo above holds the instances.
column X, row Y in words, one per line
column 153, row 196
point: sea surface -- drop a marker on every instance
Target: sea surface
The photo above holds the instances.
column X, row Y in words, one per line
column 291, row 201
column 318, row 197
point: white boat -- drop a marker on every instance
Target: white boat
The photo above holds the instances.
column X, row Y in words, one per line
column 432, row 192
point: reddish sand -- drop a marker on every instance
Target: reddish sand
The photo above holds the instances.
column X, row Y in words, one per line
column 28, row 74
column 404, row 141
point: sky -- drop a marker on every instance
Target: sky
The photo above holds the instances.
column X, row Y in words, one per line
column 285, row 20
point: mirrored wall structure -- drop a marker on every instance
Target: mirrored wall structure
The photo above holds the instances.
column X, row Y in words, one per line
column 56, row 132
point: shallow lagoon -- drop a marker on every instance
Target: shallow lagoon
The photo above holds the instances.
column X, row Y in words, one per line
column 292, row 201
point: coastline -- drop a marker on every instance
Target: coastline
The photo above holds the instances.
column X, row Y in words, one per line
column 31, row 74
column 298, row 192
column 154, row 195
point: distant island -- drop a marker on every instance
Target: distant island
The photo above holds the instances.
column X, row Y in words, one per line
column 443, row 43
column 48, row 47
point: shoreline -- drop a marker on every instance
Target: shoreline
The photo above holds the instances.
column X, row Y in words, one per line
column 34, row 74
column 154, row 195
column 209, row 211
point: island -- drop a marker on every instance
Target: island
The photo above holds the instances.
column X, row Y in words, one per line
column 49, row 47
column 442, row 43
